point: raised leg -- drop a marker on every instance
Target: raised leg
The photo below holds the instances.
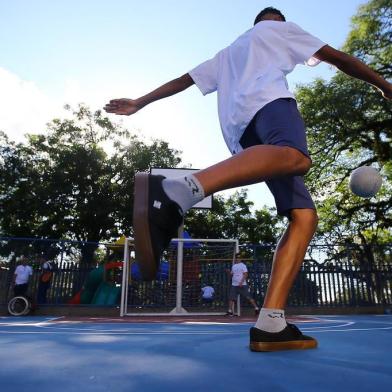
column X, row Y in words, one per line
column 255, row 164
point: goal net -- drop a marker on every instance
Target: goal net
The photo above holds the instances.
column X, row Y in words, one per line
column 192, row 279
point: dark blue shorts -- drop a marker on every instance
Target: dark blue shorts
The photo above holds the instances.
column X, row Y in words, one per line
column 235, row 291
column 279, row 123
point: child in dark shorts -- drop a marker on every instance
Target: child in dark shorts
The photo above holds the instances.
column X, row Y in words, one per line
column 239, row 286
column 265, row 134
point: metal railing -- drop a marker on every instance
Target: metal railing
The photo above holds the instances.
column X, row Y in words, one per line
column 331, row 276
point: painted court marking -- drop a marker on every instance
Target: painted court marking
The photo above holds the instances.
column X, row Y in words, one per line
column 177, row 354
column 56, row 325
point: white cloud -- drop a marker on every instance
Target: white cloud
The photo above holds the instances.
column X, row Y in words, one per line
column 24, row 107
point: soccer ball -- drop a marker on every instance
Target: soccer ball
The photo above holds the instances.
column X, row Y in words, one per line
column 365, row 181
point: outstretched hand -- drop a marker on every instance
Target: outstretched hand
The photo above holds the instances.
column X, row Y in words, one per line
column 387, row 93
column 122, row 106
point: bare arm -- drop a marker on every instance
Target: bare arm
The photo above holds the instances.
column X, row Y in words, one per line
column 124, row 106
column 244, row 277
column 354, row 67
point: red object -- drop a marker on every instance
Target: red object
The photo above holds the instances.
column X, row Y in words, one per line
column 113, row 264
column 75, row 300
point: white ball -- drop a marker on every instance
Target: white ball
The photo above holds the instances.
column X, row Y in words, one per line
column 365, row 181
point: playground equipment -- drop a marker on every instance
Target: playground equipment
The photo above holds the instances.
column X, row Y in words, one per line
column 97, row 290
column 19, row 306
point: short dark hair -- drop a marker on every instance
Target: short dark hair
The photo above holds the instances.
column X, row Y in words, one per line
column 268, row 10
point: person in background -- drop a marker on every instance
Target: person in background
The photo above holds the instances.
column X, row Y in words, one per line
column 22, row 276
column 239, row 286
column 207, row 294
column 45, row 279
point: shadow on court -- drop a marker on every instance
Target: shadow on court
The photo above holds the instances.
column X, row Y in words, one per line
column 40, row 353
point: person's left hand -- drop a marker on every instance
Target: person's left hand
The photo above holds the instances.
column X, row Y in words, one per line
column 387, row 93
column 122, row 106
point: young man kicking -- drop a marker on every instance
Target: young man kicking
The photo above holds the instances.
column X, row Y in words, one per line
column 265, row 133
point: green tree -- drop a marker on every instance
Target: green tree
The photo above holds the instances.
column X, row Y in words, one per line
column 233, row 218
column 349, row 125
column 76, row 180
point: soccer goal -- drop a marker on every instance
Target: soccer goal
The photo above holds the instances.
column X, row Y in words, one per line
column 186, row 269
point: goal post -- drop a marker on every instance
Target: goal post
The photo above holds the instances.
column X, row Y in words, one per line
column 186, row 267
column 126, row 273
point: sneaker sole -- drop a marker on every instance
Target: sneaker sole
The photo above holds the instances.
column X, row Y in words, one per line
column 280, row 346
column 143, row 244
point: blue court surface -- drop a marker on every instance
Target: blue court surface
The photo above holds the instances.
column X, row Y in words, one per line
column 57, row 354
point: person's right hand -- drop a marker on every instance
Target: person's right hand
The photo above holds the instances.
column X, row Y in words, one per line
column 387, row 93
column 122, row 106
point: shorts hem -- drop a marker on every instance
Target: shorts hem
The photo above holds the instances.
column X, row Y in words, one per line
column 304, row 152
column 287, row 211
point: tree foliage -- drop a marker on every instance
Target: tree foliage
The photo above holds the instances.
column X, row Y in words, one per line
column 76, row 180
column 349, row 125
column 233, row 218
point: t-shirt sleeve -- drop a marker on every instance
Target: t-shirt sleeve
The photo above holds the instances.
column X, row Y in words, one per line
column 303, row 45
column 205, row 75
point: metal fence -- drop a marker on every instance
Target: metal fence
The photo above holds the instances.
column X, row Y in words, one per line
column 73, row 263
column 331, row 276
column 66, row 282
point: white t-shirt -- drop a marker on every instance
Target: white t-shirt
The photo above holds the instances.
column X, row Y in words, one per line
column 208, row 292
column 251, row 72
column 238, row 271
column 23, row 273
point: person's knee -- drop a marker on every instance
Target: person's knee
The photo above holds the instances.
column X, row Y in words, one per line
column 300, row 162
column 306, row 216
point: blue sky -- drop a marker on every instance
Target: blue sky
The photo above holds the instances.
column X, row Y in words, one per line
column 58, row 52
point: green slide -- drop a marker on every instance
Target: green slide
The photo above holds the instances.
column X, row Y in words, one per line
column 106, row 294
column 93, row 281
